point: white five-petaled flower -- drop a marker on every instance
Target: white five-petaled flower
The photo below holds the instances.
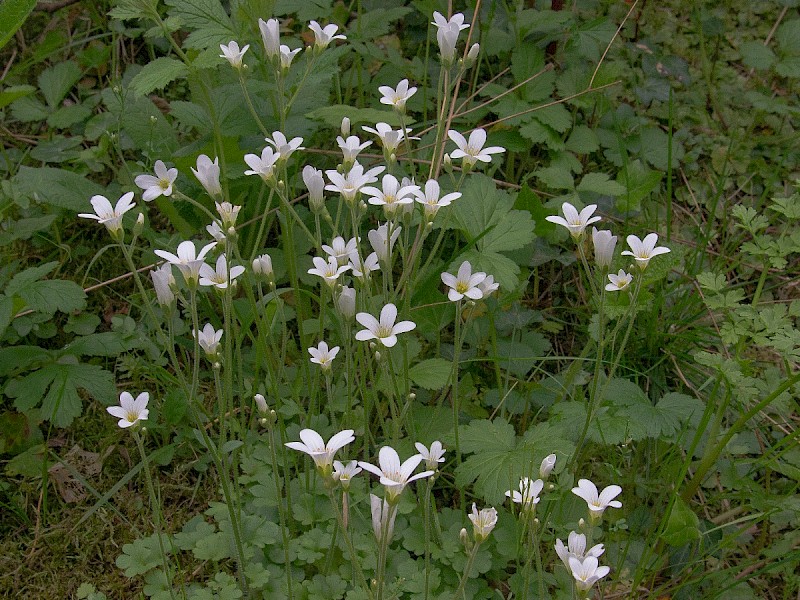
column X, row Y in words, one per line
column 587, row 572
column 158, row 185
column 385, row 329
column 264, row 165
column 215, row 231
column 262, row 266
column 323, row 36
column 287, row 56
column 383, row 515
column 188, row 260
column 447, row 31
column 323, row 356
column 208, row 339
column 329, row 270
column 573, row 220
column 482, row 522
column 363, row 270
column 110, row 216
column 432, row 457
column 528, row 494
column 163, row 282
column 394, row 476
column 228, row 213
column 643, row 250
column 390, row 138
column 270, row 35
column 130, row 411
column 233, row 54
column 383, row 242
column 597, row 502
column 207, row 174
column 322, row 453
column 488, row 286
column 604, row 244
column 316, row 185
column 344, row 473
column 220, row 277
column 391, row 196
column 547, row 466
column 576, row 548
column 283, row 146
column 430, row 199
column 350, row 147
column 465, row 283
column 350, row 185
column 346, row 302
column 340, row 250
column 397, row 97
column 472, row 150
column 619, row 282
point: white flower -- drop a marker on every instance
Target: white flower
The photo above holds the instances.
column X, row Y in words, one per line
column 208, row 339
column 391, row 196
column 473, row 53
column 363, row 270
column 346, row 302
column 345, row 473
column 340, row 250
column 187, row 260
column 465, row 283
column 547, row 466
column 323, row 356
column 219, row 277
column 262, row 266
column 383, row 515
column 130, row 411
column 482, row 522
column 284, row 146
column 430, row 199
column 287, row 56
column 432, row 457
column 382, row 242
column 472, row 151
column 316, row 185
column 488, row 286
column 397, row 97
column 619, row 282
column 349, row 185
column 207, row 174
column 394, row 476
column 576, row 548
column 216, row 232
column 390, row 138
column 317, row 449
column 261, row 404
column 573, row 220
column 587, row 572
column 329, row 270
column 384, row 330
column 323, row 36
column 597, row 503
column 644, row 250
column 604, row 244
column 528, row 494
column 158, row 185
column 110, row 216
column 350, row 147
column 457, row 21
column 264, row 165
column 228, row 213
column 163, row 282
column 447, row 34
column 270, row 35
column 233, row 54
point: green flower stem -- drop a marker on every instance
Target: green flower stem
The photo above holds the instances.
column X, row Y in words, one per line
column 586, row 267
column 276, row 476
column 460, row 592
column 155, row 506
column 359, row 574
column 250, row 106
column 427, row 508
column 181, row 196
column 454, row 383
column 383, row 549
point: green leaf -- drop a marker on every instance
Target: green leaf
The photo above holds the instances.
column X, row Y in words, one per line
column 140, row 556
column 756, row 55
column 23, row 229
column 108, row 343
column 504, row 270
column 682, row 525
column 431, row 374
column 156, row 74
column 207, row 18
column 484, row 435
column 12, row 15
column 675, row 409
column 375, row 23
column 556, row 177
column 55, row 82
column 15, row 92
column 556, row 117
column 333, row 115
column 57, row 187
column 600, row 183
column 639, row 182
column 67, row 116
column 582, row 140
column 52, row 295
column 29, row 109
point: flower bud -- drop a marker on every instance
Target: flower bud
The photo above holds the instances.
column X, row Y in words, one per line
column 262, row 267
column 346, row 302
column 345, row 127
column 473, row 53
column 139, row 225
column 261, row 403
column 547, row 466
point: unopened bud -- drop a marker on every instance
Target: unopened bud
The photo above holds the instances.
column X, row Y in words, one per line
column 153, row 119
column 345, row 127
column 448, row 163
column 139, row 226
column 464, row 537
column 377, row 355
column 473, row 53
column 261, row 403
column 412, row 396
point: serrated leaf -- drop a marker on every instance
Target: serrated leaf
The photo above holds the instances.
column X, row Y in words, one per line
column 333, row 115
column 108, row 343
column 756, row 55
column 211, row 24
column 156, row 74
column 55, row 82
column 15, row 92
column 539, row 133
column 67, row 116
column 682, row 525
column 372, row 24
column 57, row 187
column 504, row 270
column 556, row 177
column 675, row 409
column 12, row 15
column 582, row 140
column 29, row 109
column 556, row 117
column 431, row 374
column 53, row 295
column 639, row 182
column 600, row 183
column 140, row 556
column 484, row 435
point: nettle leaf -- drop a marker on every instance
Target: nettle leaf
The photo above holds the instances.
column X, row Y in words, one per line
column 557, row 178
column 211, row 23
column 555, row 116
column 57, row 187
column 484, row 435
column 582, row 140
column 600, row 183
column 431, row 374
column 49, row 295
column 157, row 74
column 55, row 82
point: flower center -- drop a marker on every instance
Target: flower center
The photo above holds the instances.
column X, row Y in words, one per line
column 164, row 184
column 383, row 331
column 131, row 416
column 461, row 287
